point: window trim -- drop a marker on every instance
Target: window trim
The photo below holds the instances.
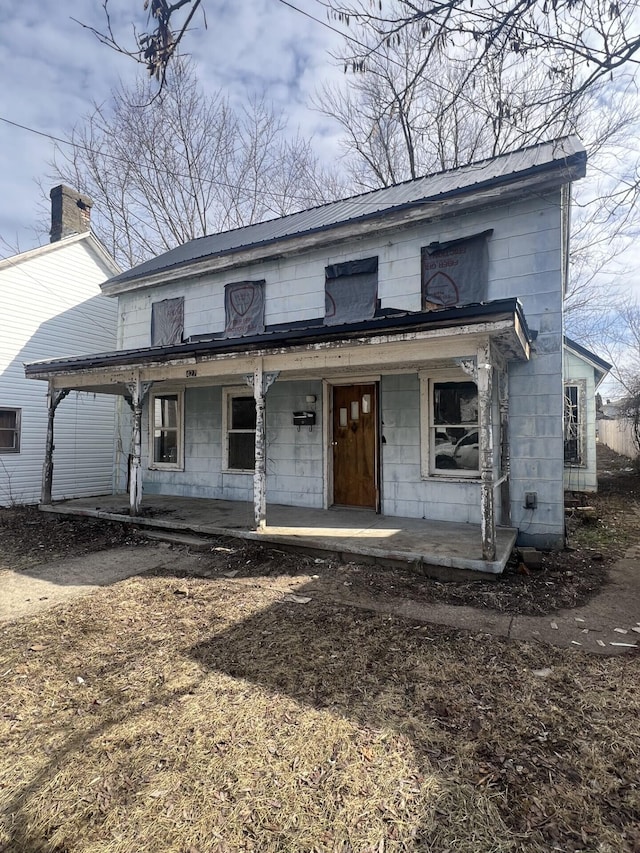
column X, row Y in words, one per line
column 178, row 465
column 17, row 429
column 581, row 386
column 428, row 471
column 228, row 394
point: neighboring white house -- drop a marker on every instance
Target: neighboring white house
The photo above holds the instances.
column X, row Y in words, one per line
column 399, row 351
column 583, row 373
column 51, row 306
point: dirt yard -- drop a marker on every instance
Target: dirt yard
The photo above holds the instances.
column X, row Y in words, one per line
column 224, row 710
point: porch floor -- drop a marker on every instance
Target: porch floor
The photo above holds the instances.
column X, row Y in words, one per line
column 351, row 534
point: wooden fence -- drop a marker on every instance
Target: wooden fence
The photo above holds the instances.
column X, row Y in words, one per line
column 617, row 435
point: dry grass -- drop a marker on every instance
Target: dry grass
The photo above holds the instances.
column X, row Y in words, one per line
column 215, row 715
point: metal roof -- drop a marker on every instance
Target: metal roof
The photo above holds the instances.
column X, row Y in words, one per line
column 313, row 331
column 602, row 365
column 564, row 158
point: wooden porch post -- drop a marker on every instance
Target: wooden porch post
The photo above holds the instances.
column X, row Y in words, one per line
column 54, row 398
column 485, row 430
column 137, row 391
column 261, row 382
column 505, row 450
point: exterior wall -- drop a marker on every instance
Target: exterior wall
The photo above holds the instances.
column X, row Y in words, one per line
column 583, row 478
column 51, row 307
column 294, row 457
column 525, row 260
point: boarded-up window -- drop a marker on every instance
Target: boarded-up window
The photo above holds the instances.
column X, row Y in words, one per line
column 351, row 291
column 167, row 322
column 244, row 308
column 455, row 273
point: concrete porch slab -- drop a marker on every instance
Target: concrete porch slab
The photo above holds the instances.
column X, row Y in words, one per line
column 433, row 547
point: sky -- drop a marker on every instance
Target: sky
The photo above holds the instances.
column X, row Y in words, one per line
column 52, row 71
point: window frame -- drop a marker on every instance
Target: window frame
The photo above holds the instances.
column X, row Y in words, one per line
column 581, row 404
column 153, row 464
column 228, row 394
column 16, row 430
column 428, row 470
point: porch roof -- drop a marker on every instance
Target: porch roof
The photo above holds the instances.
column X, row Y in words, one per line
column 502, row 319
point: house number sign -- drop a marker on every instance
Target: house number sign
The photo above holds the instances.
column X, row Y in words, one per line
column 191, row 373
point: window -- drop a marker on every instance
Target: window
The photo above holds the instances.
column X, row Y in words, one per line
column 244, row 308
column 239, row 428
column 450, row 440
column 455, row 273
column 351, row 291
column 167, row 322
column 574, row 422
column 10, row 430
column 165, row 417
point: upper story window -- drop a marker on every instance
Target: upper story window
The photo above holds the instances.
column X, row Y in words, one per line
column 450, row 443
column 455, row 272
column 10, row 430
column 351, row 291
column 239, row 429
column 575, row 426
column 167, row 322
column 244, row 308
column 166, row 418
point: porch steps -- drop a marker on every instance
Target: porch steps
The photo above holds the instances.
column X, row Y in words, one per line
column 200, row 544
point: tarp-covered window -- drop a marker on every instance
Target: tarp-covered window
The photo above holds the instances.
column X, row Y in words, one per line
column 351, row 291
column 167, row 322
column 455, row 273
column 244, row 308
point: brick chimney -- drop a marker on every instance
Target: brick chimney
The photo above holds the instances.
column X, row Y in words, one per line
column 70, row 212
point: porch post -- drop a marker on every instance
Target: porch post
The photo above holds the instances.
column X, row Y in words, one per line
column 261, row 383
column 485, row 428
column 505, row 450
column 137, row 391
column 54, row 398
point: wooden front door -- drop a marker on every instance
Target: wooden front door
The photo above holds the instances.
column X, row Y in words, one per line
column 355, row 445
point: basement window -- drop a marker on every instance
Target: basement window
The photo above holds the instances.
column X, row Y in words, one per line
column 239, row 430
column 10, row 430
column 575, row 393
column 166, row 419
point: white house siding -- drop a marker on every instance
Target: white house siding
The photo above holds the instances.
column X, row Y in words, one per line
column 583, row 478
column 524, row 261
column 50, row 307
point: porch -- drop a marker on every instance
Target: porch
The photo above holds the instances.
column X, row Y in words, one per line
column 432, row 547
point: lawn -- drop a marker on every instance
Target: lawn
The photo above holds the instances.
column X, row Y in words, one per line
column 199, row 715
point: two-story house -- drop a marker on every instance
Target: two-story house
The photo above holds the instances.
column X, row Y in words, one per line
column 51, row 306
column 400, row 351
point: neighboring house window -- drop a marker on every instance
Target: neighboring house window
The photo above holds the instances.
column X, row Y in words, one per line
column 167, row 322
column 351, row 291
column 575, row 393
column 10, row 430
column 244, row 308
column 450, row 446
column 455, row 273
column 239, row 429
column 166, row 415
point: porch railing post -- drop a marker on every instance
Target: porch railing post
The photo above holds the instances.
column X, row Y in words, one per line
column 485, row 443
column 260, row 382
column 137, row 392
column 54, row 398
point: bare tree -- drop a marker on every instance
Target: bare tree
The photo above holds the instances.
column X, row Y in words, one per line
column 415, row 111
column 187, row 165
